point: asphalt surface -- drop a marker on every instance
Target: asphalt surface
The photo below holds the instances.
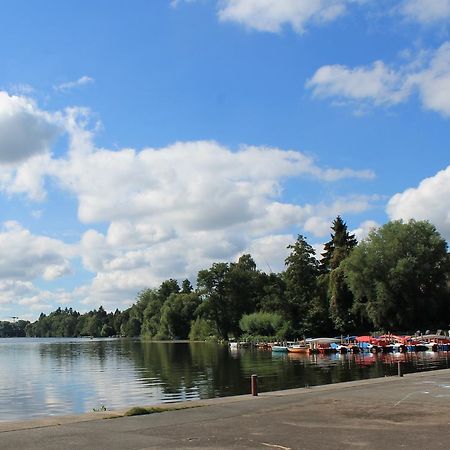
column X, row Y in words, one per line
column 412, row 412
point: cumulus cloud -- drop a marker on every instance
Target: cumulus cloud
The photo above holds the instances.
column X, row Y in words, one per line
column 433, row 83
column 195, row 185
column 428, row 201
column 269, row 252
column 377, row 83
column 69, row 85
column 428, row 75
column 364, row 229
column 272, row 15
column 10, row 290
column 174, row 210
column 25, row 256
column 169, row 212
column 25, row 130
column 426, row 11
column 133, row 255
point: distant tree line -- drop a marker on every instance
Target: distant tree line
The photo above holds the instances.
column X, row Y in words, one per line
column 13, row 329
column 395, row 279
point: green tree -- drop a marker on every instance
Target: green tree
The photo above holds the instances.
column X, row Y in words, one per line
column 273, row 295
column 302, row 270
column 227, row 292
column 340, row 297
column 186, row 287
column 203, row 330
column 262, row 324
column 177, row 314
column 212, row 288
column 338, row 247
column 399, row 276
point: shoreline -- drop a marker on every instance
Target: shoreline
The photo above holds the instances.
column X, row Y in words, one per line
column 93, row 416
column 411, row 412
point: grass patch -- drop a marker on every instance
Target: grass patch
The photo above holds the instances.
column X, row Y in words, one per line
column 139, row 410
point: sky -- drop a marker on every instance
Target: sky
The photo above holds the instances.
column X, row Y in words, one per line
column 146, row 140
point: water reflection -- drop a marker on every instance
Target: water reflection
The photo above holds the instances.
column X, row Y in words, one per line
column 41, row 377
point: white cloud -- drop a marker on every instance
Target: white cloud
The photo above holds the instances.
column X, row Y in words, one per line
column 269, row 252
column 174, row 210
column 26, row 256
column 272, row 15
column 364, row 229
column 169, row 212
column 11, row 290
column 69, row 85
column 376, row 83
column 433, row 82
column 426, row 11
column 321, row 216
column 428, row 201
column 131, row 256
column 194, row 185
column 27, row 178
column 428, row 74
column 25, row 130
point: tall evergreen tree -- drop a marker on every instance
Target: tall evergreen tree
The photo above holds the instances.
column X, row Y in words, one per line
column 339, row 295
column 339, row 247
column 302, row 270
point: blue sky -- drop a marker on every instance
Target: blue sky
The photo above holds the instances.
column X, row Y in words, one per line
column 146, row 140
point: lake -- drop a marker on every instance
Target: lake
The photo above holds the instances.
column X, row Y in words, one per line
column 57, row 376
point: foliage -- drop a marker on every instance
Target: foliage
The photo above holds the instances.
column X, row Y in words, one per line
column 228, row 291
column 398, row 276
column 203, row 330
column 177, row 313
column 68, row 323
column 339, row 295
column 262, row 324
column 339, row 247
column 273, row 293
column 13, row 329
column 102, row 408
column 301, row 276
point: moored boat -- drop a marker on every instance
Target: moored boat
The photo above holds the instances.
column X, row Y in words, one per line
column 280, row 348
column 299, row 348
column 323, row 345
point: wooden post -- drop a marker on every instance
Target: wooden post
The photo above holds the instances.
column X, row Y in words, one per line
column 400, row 371
column 254, row 385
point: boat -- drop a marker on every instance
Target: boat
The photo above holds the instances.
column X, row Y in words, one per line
column 299, row 348
column 280, row 348
column 322, row 345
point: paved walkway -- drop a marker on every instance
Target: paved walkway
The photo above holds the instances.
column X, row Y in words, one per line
column 412, row 412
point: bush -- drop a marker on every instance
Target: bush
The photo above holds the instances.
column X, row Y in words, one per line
column 264, row 324
column 202, row 330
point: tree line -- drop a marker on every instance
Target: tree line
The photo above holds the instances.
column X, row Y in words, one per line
column 395, row 279
column 13, row 329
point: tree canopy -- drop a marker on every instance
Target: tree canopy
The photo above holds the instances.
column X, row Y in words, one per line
column 396, row 279
column 399, row 276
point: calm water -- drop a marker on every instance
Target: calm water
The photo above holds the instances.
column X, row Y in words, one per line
column 42, row 377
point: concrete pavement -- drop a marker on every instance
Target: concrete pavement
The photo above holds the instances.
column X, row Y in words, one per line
column 412, row 412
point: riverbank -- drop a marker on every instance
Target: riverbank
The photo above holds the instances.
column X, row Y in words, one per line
column 411, row 412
